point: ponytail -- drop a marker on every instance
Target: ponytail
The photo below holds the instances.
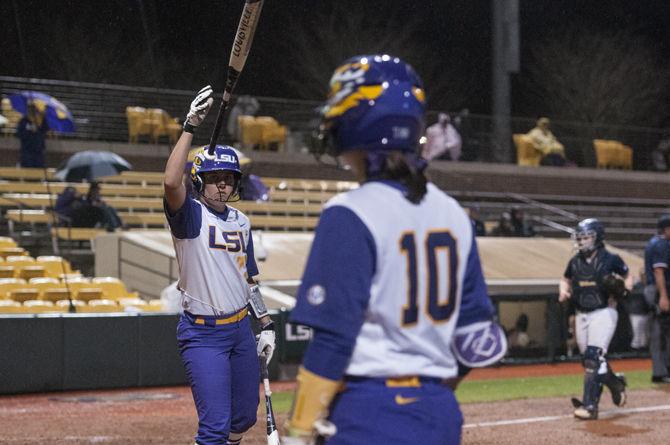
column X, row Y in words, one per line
column 408, row 169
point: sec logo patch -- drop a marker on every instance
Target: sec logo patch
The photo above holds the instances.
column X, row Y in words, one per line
column 316, row 295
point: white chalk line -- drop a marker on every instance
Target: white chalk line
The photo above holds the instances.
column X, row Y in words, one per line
column 603, row 414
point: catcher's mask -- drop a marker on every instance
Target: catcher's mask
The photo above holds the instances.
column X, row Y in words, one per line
column 210, row 168
column 588, row 236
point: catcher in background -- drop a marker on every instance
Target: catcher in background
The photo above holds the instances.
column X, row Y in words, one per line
column 393, row 286
column 594, row 280
column 215, row 253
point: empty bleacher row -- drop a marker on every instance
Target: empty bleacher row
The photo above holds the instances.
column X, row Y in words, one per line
column 629, row 223
column 47, row 284
column 296, row 204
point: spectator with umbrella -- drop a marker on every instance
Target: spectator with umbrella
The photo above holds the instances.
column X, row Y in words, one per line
column 41, row 113
column 31, row 131
column 92, row 210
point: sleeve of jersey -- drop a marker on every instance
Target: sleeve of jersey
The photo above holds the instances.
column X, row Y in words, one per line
column 475, row 302
column 252, row 268
column 659, row 256
column 568, row 270
column 335, row 287
column 185, row 222
column 620, row 266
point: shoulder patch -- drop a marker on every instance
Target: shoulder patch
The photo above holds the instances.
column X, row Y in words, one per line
column 316, row 294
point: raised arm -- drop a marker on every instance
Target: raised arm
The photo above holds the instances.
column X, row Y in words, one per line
column 175, row 191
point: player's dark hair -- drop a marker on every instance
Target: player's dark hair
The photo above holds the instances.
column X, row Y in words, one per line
column 408, row 169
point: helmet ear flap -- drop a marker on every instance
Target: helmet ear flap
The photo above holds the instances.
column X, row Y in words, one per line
column 196, row 180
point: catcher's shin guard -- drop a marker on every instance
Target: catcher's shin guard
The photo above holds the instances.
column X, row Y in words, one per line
column 592, row 384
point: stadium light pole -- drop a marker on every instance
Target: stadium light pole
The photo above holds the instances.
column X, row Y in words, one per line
column 150, row 49
column 20, row 36
column 505, row 61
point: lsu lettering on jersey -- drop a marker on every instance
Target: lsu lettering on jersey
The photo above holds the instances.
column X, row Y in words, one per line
column 215, row 255
column 394, row 277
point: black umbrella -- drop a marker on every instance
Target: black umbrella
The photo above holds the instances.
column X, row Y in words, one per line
column 90, row 165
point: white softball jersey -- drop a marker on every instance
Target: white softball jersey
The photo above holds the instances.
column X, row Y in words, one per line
column 424, row 268
column 215, row 256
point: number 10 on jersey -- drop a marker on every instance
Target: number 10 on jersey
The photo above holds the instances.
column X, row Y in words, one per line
column 439, row 307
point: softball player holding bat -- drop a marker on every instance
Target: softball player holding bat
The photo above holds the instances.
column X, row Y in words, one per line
column 215, row 253
column 393, row 286
column 585, row 282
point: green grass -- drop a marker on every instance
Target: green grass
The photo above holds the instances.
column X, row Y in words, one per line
column 471, row 391
column 281, row 401
column 536, row 387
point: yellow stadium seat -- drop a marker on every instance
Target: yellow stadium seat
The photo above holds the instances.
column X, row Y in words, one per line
column 6, row 241
column 54, row 265
column 163, row 125
column 24, row 294
column 75, row 284
column 44, row 283
column 56, row 294
column 70, row 276
column 12, row 251
column 9, row 284
column 271, row 132
column 138, row 123
column 526, row 153
column 65, row 304
column 113, row 288
column 19, row 261
column 33, row 271
column 102, row 305
column 10, row 307
column 250, row 130
column 156, row 305
column 130, row 304
column 76, row 280
column 613, row 154
column 6, row 271
column 39, row 307
column 89, row 293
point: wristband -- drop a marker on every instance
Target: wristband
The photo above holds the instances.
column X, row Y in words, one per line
column 188, row 128
column 268, row 327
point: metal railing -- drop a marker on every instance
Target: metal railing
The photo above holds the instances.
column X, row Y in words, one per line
column 99, row 111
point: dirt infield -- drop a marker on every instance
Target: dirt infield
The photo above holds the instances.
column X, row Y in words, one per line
column 167, row 416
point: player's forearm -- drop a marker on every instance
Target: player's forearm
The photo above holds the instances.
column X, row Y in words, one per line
column 319, row 379
column 264, row 320
column 659, row 277
column 628, row 282
column 174, row 170
column 564, row 288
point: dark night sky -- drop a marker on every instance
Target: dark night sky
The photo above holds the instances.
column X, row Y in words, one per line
column 193, row 37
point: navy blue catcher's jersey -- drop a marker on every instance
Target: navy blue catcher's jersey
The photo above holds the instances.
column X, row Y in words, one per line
column 587, row 278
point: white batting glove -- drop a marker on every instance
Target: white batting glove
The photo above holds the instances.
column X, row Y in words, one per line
column 199, row 109
column 266, row 344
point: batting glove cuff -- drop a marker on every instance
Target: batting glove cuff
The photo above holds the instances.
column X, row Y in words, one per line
column 188, row 128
